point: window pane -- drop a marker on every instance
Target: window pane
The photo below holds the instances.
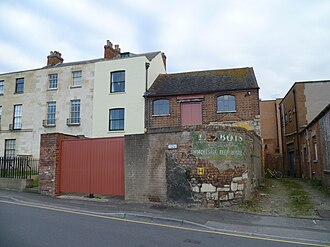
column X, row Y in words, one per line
column 116, row 121
column 118, row 81
column 51, row 113
column 75, row 111
column 17, row 123
column 76, row 78
column 226, row 103
column 10, row 146
column 53, row 81
column 19, row 85
column 161, row 107
column 2, row 86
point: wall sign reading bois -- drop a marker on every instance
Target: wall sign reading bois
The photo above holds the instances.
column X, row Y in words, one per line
column 220, row 146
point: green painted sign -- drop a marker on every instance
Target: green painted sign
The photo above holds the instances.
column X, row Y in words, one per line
column 221, row 146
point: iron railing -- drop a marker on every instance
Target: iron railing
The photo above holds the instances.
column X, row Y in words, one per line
column 18, row 167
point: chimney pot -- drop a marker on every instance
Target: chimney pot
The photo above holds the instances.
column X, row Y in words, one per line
column 54, row 58
column 109, row 51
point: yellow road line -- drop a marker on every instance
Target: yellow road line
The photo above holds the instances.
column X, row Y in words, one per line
column 167, row 226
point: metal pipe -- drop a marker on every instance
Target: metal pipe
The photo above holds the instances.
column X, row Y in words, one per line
column 297, row 130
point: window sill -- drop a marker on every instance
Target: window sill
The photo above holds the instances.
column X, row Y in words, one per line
column 49, row 125
column 112, row 93
column 73, row 124
column 315, row 161
column 52, row 89
column 226, row 111
column 116, row 131
column 161, row 115
column 19, row 93
column 78, row 86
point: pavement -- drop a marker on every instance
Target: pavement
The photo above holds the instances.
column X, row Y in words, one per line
column 315, row 230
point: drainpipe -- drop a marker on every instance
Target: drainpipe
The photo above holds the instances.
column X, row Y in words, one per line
column 283, row 132
column 146, row 94
column 276, row 119
column 297, row 129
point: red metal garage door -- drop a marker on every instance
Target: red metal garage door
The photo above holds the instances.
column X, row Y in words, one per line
column 92, row 166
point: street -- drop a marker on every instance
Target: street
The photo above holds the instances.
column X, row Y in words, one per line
column 32, row 225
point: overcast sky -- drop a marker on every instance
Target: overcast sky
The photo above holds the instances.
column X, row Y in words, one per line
column 283, row 40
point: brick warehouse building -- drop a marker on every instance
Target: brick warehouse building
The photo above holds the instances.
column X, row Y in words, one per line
column 302, row 103
column 204, row 97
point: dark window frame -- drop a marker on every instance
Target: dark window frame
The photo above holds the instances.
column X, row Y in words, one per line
column 118, row 85
column 116, row 120
column 12, row 150
column 75, row 111
column 51, row 113
column 76, row 78
column 2, row 87
column 19, row 87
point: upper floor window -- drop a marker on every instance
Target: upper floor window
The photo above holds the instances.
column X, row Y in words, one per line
column 74, row 112
column 76, row 78
column 52, row 81
column 315, row 156
column 51, row 113
column 161, row 107
column 2, row 85
column 116, row 119
column 19, row 85
column 17, row 121
column 118, row 81
column 226, row 103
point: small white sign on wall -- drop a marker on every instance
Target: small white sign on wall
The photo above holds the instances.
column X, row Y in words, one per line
column 172, row 146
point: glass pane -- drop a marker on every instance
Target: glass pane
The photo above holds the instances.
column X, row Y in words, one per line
column 116, row 121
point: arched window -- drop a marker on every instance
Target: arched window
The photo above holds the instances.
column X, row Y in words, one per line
column 161, row 107
column 226, row 103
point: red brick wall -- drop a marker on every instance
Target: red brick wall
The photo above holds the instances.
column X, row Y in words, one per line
column 49, row 162
column 247, row 107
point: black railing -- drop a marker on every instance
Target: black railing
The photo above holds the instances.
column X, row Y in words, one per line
column 18, row 167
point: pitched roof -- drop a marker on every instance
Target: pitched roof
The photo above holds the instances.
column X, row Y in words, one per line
column 204, row 82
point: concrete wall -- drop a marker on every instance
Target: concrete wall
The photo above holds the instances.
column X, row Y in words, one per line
column 15, row 184
column 131, row 100
column 204, row 165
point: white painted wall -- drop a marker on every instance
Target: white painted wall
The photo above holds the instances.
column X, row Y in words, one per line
column 131, row 100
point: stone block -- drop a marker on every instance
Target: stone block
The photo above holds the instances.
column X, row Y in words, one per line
column 214, row 196
column 237, row 179
column 238, row 194
column 223, row 198
column 233, row 186
column 195, row 189
column 208, row 188
column 230, row 196
column 223, row 189
column 245, row 175
column 240, row 186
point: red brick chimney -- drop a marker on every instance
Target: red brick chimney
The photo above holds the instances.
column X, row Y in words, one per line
column 109, row 52
column 54, row 58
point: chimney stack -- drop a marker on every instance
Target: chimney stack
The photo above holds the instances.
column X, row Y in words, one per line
column 109, row 51
column 54, row 58
column 164, row 59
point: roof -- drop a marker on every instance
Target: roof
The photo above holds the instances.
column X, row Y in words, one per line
column 149, row 56
column 204, row 82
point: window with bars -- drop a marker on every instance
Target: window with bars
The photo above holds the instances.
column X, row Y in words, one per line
column 118, row 81
column 116, row 119
column 52, row 81
column 19, row 85
column 10, row 148
column 76, row 78
column 17, row 121
column 51, row 113
column 226, row 103
column 74, row 112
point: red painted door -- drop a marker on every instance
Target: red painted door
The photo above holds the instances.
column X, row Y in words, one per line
column 93, row 166
column 191, row 113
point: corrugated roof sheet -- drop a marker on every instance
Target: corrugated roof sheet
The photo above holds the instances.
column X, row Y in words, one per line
column 204, row 82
